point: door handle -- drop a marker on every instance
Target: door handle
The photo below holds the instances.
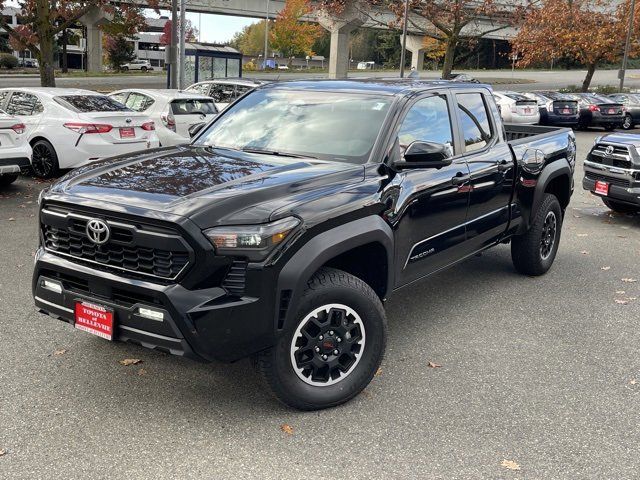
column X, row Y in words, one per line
column 503, row 165
column 459, row 179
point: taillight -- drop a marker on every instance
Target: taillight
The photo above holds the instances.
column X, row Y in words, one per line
column 86, row 128
column 149, row 126
column 19, row 128
column 594, row 108
column 169, row 121
column 514, row 108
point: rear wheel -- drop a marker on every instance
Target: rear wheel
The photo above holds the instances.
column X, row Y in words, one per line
column 333, row 349
column 44, row 160
column 144, row 69
column 7, row 179
column 627, row 124
column 620, row 207
column 125, row 69
column 534, row 252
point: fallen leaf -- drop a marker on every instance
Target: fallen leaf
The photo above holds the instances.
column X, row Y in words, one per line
column 632, row 298
column 3, row 452
column 12, row 219
column 605, row 268
column 129, row 361
column 142, row 371
column 633, row 381
column 621, row 236
column 62, row 351
column 286, row 428
column 510, row 464
column 584, row 252
column 621, row 301
column 629, row 280
column 434, row 365
column 620, row 292
column 378, row 372
column 577, row 216
column 583, row 234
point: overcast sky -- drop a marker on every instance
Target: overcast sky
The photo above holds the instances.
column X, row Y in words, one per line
column 215, row 28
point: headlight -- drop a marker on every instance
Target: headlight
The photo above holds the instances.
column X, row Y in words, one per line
column 253, row 241
column 43, row 192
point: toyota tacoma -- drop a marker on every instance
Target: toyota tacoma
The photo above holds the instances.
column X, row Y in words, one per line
column 279, row 232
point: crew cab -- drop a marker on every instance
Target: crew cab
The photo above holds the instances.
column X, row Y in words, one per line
column 279, row 232
column 612, row 171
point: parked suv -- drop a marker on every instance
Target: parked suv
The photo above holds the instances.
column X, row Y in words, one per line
column 142, row 65
column 281, row 230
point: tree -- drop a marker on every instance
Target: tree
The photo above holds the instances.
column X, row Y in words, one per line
column 289, row 35
column 447, row 21
column 190, row 32
column 119, row 51
column 44, row 20
column 250, row 40
column 588, row 31
column 434, row 49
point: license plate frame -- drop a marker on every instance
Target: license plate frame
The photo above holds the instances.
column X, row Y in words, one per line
column 602, row 188
column 95, row 319
column 127, row 132
column 611, row 111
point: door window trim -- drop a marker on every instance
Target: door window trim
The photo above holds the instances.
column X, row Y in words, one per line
column 495, row 131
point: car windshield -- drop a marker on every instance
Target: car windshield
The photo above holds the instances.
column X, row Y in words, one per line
column 333, row 126
column 91, row 103
column 193, row 106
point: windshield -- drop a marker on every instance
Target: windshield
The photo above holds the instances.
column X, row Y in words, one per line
column 333, row 126
column 204, row 106
column 91, row 103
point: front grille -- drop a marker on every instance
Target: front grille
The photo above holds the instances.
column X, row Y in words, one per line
column 134, row 250
column 234, row 281
column 612, row 180
column 616, row 156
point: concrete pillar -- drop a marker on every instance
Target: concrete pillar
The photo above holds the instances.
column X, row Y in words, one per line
column 415, row 44
column 340, row 26
column 93, row 20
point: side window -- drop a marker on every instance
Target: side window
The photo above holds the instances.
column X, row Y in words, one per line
column 427, row 120
column 241, row 90
column 222, row 93
column 25, row 104
column 476, row 128
column 138, row 102
column 199, row 88
column 120, row 97
column 3, row 97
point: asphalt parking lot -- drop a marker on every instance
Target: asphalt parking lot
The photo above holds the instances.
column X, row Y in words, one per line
column 543, row 373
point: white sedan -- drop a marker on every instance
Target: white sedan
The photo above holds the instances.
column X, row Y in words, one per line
column 516, row 108
column 68, row 127
column 173, row 111
column 225, row 90
column 15, row 151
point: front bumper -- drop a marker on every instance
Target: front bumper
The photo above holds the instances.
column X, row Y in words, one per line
column 205, row 324
column 624, row 184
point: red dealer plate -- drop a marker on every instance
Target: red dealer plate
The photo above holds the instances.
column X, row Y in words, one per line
column 127, row 132
column 612, row 110
column 94, row 319
column 602, row 188
column 566, row 111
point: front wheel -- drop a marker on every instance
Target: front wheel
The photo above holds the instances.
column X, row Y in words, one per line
column 334, row 347
column 7, row 179
column 533, row 253
column 620, row 207
column 627, row 124
column 144, row 69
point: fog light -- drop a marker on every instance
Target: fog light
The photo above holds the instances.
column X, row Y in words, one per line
column 151, row 314
column 53, row 286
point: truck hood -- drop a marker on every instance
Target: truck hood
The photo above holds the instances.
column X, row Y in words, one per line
column 210, row 186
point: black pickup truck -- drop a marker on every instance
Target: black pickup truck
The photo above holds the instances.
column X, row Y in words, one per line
column 612, row 171
column 281, row 229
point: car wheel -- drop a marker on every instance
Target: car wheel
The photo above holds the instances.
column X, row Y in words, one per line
column 7, row 179
column 534, row 252
column 620, row 207
column 144, row 69
column 44, row 160
column 125, row 69
column 627, row 124
column 333, row 349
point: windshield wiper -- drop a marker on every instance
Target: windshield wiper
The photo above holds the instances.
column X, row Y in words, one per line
column 275, row 153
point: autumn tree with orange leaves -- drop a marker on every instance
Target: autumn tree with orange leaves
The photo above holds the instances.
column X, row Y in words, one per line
column 289, row 35
column 44, row 20
column 588, row 31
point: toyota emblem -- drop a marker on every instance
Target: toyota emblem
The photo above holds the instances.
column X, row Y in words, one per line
column 98, row 231
column 128, row 120
column 609, row 150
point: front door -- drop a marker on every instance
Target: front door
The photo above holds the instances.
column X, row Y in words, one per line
column 432, row 205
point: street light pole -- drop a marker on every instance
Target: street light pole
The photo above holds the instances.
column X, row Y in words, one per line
column 173, row 47
column 627, row 46
column 404, row 37
column 183, row 8
column 266, row 38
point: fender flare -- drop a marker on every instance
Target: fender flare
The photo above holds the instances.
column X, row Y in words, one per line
column 322, row 248
column 550, row 172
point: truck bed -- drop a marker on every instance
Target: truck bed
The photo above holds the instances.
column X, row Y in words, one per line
column 519, row 134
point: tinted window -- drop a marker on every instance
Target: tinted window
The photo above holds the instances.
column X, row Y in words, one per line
column 91, row 103
column 336, row 126
column 193, row 107
column 476, row 127
column 139, row 102
column 222, row 93
column 241, row 90
column 427, row 120
column 516, row 96
column 3, row 96
column 24, row 104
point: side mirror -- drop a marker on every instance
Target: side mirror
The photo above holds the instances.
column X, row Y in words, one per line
column 426, row 155
column 194, row 129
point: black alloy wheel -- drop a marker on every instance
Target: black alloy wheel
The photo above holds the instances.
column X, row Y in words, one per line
column 44, row 160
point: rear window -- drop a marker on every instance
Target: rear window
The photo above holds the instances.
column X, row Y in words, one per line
column 516, row 96
column 193, row 107
column 91, row 103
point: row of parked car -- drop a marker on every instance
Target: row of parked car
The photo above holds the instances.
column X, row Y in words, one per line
column 52, row 129
column 579, row 110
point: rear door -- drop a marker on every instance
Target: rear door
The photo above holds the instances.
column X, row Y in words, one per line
column 491, row 168
column 190, row 111
column 432, row 212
